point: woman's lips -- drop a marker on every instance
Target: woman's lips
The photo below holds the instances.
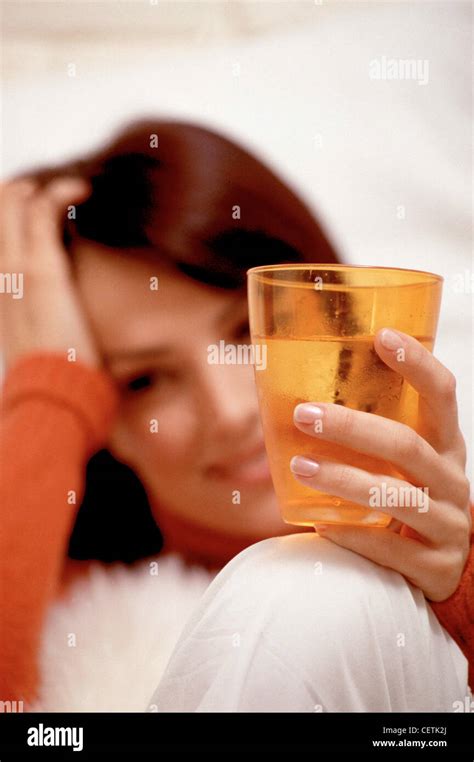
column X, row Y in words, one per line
column 250, row 468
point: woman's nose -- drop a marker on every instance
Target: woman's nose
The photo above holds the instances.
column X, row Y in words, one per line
column 227, row 399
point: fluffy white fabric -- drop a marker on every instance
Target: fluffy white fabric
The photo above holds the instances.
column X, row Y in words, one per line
column 124, row 622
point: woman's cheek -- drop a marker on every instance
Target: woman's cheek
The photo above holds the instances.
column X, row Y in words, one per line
column 146, row 435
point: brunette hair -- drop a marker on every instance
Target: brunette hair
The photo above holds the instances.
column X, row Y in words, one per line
column 195, row 198
column 191, row 196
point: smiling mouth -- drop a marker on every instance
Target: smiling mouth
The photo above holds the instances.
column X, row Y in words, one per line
column 247, row 469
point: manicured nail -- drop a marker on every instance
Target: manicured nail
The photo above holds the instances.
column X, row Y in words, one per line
column 304, row 466
column 391, row 339
column 320, row 528
column 70, row 184
column 307, row 413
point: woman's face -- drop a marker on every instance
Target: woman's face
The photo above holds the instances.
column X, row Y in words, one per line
column 189, row 429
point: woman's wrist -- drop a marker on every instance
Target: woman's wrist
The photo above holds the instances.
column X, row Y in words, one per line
column 86, row 390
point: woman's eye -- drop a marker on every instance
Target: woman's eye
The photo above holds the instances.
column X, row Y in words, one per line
column 242, row 330
column 139, row 383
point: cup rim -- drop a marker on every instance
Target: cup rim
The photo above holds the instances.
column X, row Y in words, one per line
column 434, row 277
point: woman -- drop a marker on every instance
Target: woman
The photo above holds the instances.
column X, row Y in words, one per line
column 110, row 348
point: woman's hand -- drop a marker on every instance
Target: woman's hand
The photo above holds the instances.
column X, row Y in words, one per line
column 43, row 313
column 429, row 546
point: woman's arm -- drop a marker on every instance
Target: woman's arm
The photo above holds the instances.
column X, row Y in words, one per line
column 55, row 414
column 456, row 613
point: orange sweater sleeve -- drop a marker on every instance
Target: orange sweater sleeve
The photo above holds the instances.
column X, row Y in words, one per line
column 456, row 613
column 55, row 415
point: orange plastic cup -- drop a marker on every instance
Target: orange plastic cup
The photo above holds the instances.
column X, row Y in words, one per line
column 315, row 325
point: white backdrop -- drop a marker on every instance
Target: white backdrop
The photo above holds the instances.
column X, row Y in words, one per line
column 387, row 163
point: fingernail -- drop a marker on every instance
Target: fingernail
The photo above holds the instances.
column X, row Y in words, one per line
column 320, row 528
column 303, row 466
column 391, row 339
column 307, row 413
column 71, row 182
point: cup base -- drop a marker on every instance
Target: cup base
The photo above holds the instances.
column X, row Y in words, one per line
column 304, row 515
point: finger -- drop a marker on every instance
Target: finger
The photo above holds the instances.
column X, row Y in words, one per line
column 435, row 383
column 46, row 210
column 413, row 559
column 395, row 526
column 14, row 197
column 391, row 496
column 61, row 190
column 379, row 437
